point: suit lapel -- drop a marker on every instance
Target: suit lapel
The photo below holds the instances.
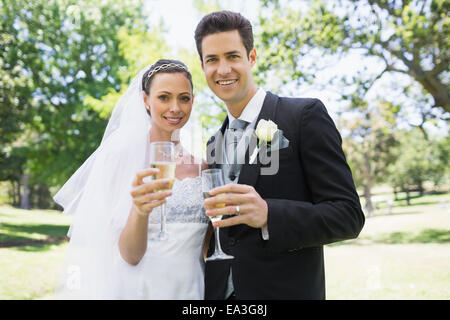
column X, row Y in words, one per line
column 214, row 146
column 250, row 172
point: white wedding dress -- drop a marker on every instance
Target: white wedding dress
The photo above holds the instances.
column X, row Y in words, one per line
column 172, row 269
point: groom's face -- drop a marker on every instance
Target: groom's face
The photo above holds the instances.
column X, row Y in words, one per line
column 227, row 67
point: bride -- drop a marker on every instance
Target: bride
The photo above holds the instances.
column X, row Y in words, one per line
column 116, row 209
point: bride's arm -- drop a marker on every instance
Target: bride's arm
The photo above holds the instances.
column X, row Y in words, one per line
column 133, row 238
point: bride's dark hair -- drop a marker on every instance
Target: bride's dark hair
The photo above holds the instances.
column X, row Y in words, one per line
column 165, row 66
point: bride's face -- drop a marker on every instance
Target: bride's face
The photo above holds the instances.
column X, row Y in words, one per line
column 169, row 101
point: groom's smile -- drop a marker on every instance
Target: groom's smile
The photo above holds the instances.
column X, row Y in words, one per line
column 226, row 83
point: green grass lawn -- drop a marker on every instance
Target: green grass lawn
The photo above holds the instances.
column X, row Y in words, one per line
column 404, row 255
column 26, row 226
column 32, row 248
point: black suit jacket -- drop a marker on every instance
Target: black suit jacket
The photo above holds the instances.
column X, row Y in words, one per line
column 312, row 201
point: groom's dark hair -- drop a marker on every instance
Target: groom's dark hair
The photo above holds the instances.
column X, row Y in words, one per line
column 222, row 21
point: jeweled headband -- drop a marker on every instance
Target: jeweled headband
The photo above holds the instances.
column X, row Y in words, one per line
column 166, row 66
column 163, row 67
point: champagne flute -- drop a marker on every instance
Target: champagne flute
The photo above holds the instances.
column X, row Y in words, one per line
column 212, row 178
column 162, row 156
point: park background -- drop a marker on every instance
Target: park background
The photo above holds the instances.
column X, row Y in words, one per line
column 380, row 67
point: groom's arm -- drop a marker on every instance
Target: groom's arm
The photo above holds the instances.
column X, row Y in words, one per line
column 335, row 212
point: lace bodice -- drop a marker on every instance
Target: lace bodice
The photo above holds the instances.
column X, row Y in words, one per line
column 185, row 205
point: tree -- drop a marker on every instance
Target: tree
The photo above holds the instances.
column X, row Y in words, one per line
column 369, row 144
column 418, row 160
column 408, row 37
column 55, row 54
column 404, row 41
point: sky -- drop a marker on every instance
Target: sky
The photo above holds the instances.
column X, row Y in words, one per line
column 178, row 16
column 181, row 17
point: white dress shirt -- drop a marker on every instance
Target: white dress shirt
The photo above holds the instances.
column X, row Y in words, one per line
column 249, row 114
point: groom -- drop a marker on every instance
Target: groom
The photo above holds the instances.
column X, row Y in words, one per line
column 279, row 212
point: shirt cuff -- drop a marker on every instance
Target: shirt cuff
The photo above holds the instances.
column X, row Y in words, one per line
column 265, row 232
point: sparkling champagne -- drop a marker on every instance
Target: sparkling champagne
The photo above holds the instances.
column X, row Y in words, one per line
column 166, row 171
column 206, row 195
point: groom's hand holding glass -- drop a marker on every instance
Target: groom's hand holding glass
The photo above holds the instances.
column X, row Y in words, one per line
column 240, row 200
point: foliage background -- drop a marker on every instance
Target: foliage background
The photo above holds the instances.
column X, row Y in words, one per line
column 381, row 68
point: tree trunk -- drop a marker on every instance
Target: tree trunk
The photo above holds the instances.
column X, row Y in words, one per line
column 431, row 83
column 13, row 194
column 421, row 190
column 369, row 205
column 368, row 186
column 437, row 89
column 408, row 199
column 43, row 196
column 25, row 201
column 19, row 193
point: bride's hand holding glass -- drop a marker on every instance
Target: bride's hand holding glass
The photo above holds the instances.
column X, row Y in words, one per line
column 147, row 195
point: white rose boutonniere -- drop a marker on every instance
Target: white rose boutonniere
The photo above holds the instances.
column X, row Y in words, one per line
column 269, row 137
column 265, row 131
